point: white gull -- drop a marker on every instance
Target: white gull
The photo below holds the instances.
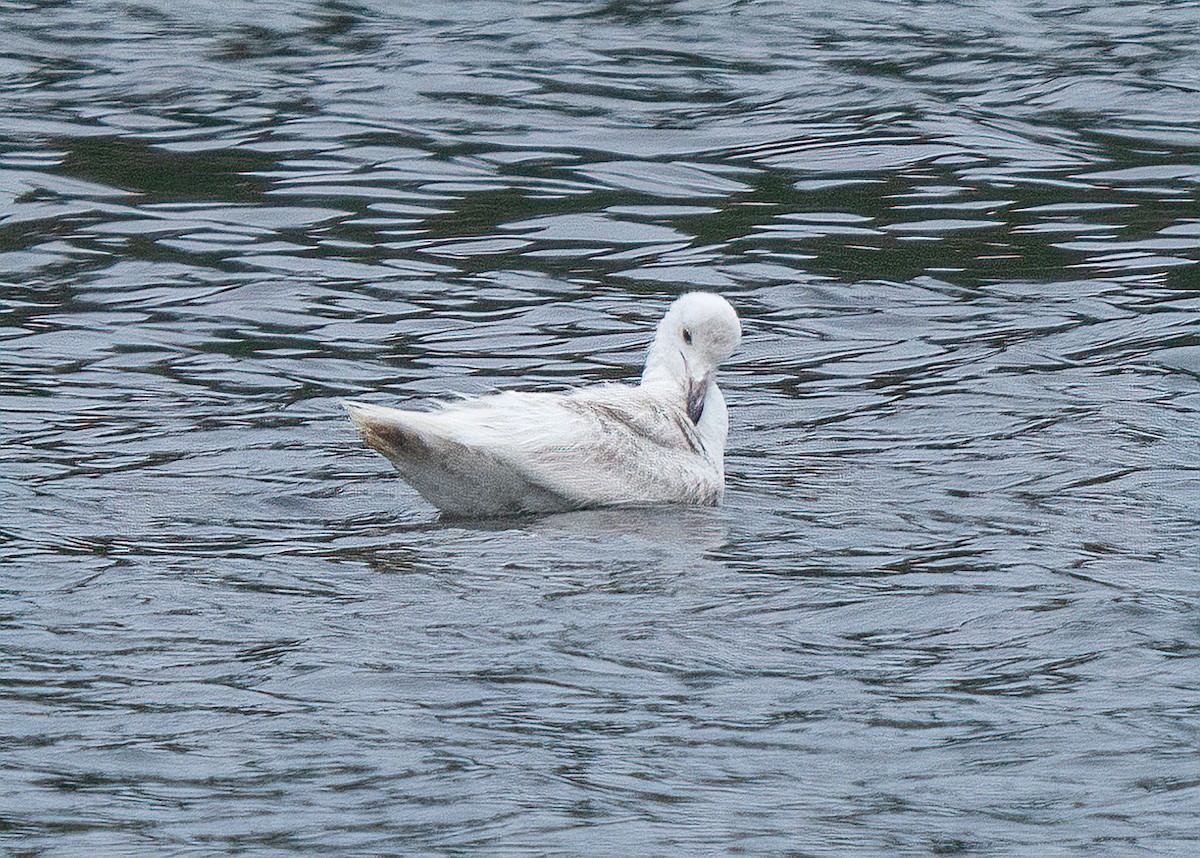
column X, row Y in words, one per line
column 659, row 441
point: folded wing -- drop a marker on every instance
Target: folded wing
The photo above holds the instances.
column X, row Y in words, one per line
column 538, row 452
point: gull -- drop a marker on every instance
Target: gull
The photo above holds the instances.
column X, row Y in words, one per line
column 659, row 441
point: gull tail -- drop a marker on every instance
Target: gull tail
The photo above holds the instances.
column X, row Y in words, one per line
column 396, row 435
column 457, row 478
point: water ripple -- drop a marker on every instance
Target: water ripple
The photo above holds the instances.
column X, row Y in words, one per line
column 950, row 603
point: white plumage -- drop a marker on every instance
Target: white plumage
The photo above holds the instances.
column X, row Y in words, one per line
column 659, row 441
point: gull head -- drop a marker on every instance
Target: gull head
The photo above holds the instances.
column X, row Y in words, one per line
column 698, row 333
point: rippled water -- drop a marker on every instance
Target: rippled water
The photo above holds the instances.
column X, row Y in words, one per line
column 952, row 603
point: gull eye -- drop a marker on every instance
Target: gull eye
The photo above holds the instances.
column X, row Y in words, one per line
column 687, row 336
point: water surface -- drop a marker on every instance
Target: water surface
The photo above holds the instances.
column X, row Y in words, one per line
column 952, row 602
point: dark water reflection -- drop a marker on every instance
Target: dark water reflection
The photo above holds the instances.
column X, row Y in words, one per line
column 951, row 603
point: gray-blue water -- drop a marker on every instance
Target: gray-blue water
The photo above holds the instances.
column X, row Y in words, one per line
column 951, row 604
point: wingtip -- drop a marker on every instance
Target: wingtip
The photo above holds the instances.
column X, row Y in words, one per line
column 359, row 412
column 374, row 421
column 350, row 405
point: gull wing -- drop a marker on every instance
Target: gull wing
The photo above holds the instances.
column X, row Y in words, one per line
column 539, row 452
